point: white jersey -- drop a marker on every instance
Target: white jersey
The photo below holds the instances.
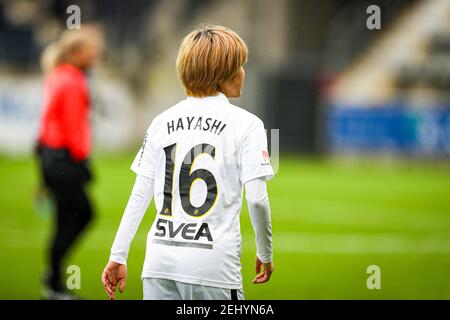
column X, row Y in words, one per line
column 200, row 153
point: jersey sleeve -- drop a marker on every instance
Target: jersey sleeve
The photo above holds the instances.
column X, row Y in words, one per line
column 144, row 163
column 254, row 156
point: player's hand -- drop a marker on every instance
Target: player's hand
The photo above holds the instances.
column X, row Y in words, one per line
column 263, row 276
column 113, row 275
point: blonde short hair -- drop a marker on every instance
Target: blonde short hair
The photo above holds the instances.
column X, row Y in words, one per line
column 68, row 42
column 209, row 56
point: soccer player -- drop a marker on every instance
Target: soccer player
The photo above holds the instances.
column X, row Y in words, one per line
column 64, row 144
column 195, row 161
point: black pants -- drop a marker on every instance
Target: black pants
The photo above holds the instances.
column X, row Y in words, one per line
column 66, row 180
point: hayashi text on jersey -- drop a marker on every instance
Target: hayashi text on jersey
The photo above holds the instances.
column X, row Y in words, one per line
column 196, row 123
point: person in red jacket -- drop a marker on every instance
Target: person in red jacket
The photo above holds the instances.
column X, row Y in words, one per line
column 64, row 144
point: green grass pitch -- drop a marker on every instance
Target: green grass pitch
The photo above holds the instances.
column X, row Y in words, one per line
column 331, row 220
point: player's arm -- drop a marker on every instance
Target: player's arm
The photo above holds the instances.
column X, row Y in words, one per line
column 116, row 271
column 259, row 209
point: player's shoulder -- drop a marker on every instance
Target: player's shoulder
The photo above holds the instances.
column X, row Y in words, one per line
column 61, row 82
column 244, row 114
column 245, row 118
column 159, row 119
column 67, row 75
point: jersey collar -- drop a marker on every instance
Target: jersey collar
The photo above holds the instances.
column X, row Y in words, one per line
column 220, row 96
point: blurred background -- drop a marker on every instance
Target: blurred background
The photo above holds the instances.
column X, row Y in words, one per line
column 364, row 120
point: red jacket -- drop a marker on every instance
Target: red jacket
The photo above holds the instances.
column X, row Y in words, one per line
column 65, row 118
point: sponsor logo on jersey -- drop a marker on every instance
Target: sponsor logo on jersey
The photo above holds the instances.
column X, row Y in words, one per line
column 266, row 158
column 192, row 234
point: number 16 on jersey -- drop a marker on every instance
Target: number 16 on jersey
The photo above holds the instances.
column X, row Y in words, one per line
column 187, row 178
